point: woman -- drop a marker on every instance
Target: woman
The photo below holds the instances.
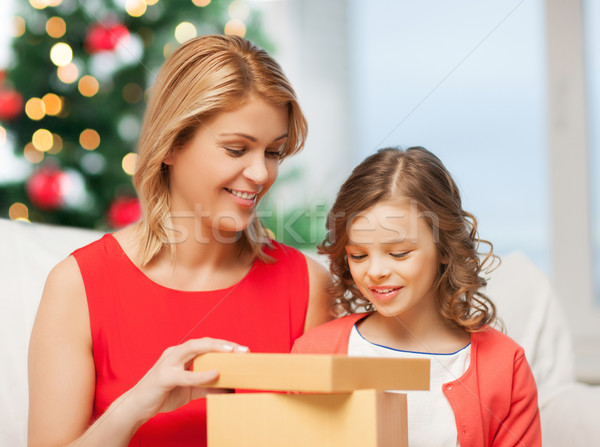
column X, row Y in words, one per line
column 121, row 319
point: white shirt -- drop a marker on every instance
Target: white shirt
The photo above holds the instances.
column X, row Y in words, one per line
column 430, row 417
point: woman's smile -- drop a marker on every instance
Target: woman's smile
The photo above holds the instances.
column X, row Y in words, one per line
column 244, row 198
column 221, row 174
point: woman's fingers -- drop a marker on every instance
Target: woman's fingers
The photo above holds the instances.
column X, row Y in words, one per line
column 187, row 351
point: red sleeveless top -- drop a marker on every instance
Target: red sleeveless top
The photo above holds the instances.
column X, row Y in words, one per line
column 133, row 320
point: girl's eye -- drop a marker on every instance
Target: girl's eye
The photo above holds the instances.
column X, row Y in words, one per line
column 357, row 257
column 399, row 255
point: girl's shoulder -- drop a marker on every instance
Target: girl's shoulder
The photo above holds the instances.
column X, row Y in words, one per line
column 490, row 342
column 328, row 338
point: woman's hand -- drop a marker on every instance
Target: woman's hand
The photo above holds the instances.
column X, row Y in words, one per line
column 170, row 383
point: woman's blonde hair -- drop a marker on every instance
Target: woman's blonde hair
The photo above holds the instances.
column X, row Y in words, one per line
column 418, row 175
column 203, row 77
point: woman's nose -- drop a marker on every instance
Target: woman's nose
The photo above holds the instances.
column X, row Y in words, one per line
column 257, row 171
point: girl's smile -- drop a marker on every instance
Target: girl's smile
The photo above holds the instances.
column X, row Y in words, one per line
column 393, row 259
column 384, row 293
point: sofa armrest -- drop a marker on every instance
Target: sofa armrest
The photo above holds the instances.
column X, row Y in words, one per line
column 29, row 251
column 533, row 317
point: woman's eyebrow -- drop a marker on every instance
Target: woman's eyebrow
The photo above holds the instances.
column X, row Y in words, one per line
column 249, row 137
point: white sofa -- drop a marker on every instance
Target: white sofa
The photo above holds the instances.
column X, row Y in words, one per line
column 524, row 296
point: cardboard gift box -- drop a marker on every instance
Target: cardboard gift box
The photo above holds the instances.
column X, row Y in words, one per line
column 314, row 372
column 343, row 402
column 365, row 418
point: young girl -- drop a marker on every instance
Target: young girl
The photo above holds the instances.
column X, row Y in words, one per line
column 401, row 247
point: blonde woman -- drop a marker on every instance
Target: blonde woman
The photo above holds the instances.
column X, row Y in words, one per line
column 121, row 319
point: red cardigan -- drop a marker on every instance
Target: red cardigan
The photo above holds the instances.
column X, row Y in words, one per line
column 495, row 400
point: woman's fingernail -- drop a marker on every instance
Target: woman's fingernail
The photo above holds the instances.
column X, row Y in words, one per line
column 242, row 348
column 228, row 348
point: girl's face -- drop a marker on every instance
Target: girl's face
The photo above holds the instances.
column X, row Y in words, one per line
column 393, row 259
column 230, row 163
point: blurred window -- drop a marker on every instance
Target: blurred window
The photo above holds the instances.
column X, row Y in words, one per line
column 467, row 80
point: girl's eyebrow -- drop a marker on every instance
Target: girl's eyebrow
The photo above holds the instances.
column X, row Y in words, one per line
column 249, row 137
column 404, row 240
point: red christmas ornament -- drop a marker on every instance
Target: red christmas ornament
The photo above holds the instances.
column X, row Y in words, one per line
column 124, row 211
column 45, row 188
column 11, row 104
column 103, row 37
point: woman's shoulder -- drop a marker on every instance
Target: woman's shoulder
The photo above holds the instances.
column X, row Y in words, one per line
column 287, row 260
column 93, row 246
column 279, row 250
column 64, row 287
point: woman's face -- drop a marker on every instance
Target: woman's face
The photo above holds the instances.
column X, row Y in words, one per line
column 230, row 163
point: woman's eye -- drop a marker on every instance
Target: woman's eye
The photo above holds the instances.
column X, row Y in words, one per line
column 399, row 255
column 235, row 152
column 357, row 257
column 273, row 154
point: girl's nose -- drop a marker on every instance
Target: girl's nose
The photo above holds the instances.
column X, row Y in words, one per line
column 378, row 269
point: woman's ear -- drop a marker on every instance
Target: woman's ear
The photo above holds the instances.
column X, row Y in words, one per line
column 168, row 159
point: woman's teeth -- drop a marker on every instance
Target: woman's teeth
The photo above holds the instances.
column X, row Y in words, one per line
column 242, row 195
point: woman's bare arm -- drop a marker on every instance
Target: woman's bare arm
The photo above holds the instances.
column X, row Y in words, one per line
column 61, row 366
column 62, row 374
column 320, row 300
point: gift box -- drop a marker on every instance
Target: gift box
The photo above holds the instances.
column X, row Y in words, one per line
column 314, row 372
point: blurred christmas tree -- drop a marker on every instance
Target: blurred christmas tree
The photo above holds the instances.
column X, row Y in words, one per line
column 72, row 100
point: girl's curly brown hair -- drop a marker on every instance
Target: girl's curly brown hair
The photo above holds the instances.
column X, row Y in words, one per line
column 418, row 175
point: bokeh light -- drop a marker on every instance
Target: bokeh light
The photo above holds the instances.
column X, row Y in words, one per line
column 128, row 163
column 32, row 155
column 89, row 139
column 38, row 4
column 42, row 140
column 52, row 103
column 18, row 26
column 93, row 163
column 168, row 49
column 201, row 3
column 56, row 27
column 57, row 144
column 18, row 211
column 133, row 93
column 35, row 109
column 185, row 31
column 135, row 8
column 88, row 86
column 235, row 27
column 68, row 74
column 239, row 10
column 61, row 54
